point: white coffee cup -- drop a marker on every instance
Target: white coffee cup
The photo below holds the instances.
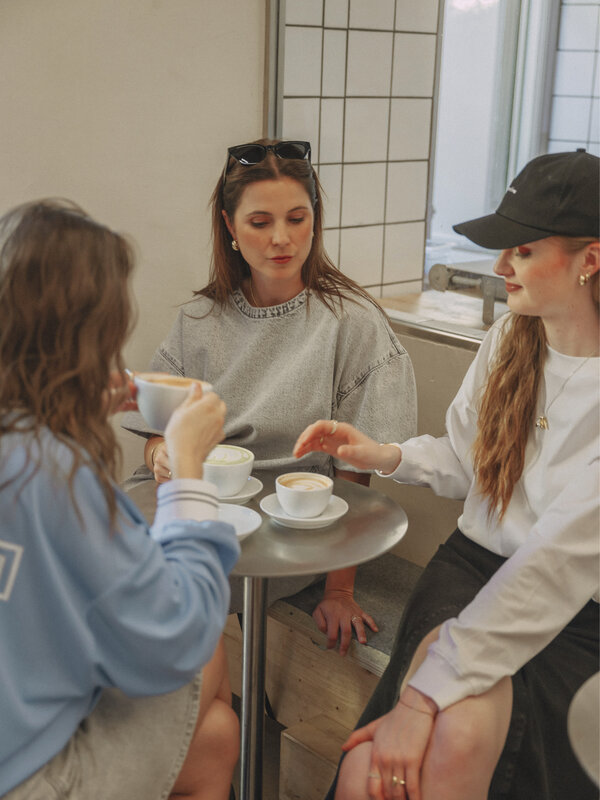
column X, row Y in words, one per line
column 228, row 467
column 159, row 394
column 303, row 494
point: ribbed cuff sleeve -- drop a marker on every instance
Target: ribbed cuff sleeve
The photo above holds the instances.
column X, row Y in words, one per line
column 186, row 498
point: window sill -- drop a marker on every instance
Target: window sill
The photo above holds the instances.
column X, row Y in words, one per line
column 448, row 315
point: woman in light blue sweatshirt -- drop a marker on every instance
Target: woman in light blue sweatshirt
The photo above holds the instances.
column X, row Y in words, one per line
column 105, row 623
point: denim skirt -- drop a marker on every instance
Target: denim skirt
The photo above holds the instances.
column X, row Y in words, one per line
column 537, row 762
column 128, row 748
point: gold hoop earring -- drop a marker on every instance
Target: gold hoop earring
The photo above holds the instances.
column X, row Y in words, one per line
column 583, row 279
column 234, row 245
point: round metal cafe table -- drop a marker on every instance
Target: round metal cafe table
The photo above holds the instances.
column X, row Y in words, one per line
column 373, row 525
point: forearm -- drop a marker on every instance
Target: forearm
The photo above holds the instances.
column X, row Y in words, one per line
column 340, row 581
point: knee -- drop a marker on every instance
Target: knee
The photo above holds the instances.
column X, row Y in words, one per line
column 225, row 732
column 217, row 738
column 352, row 778
column 472, row 731
column 456, row 743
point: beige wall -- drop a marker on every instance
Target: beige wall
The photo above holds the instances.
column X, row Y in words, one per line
column 126, row 107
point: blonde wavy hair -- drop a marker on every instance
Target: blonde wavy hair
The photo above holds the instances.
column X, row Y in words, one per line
column 508, row 403
column 65, row 312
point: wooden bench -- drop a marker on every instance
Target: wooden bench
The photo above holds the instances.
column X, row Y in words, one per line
column 314, row 693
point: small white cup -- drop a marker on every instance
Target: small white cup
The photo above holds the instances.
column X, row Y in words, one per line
column 228, row 467
column 159, row 394
column 303, row 494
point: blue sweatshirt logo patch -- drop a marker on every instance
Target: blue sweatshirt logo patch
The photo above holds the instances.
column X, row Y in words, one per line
column 10, row 558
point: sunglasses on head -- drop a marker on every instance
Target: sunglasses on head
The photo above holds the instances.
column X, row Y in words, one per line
column 250, row 154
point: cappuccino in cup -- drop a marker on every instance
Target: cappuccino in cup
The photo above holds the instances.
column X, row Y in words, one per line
column 306, row 481
column 303, row 494
column 229, row 454
column 159, row 394
column 228, row 467
column 168, row 380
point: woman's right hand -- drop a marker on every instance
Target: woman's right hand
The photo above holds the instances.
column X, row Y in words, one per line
column 195, row 427
column 343, row 441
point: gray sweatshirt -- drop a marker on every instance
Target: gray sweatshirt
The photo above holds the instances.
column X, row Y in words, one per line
column 281, row 368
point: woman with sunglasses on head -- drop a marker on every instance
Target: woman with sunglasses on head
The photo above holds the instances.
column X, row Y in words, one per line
column 501, row 630
column 283, row 335
column 105, row 623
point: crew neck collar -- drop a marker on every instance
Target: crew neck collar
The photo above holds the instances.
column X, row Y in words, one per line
column 265, row 312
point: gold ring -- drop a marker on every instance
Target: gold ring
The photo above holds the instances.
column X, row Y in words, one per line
column 396, row 780
column 333, row 427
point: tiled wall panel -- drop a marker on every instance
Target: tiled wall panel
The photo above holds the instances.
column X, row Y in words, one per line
column 358, row 83
column 574, row 120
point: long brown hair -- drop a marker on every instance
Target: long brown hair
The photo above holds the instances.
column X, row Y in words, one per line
column 228, row 267
column 65, row 313
column 509, row 400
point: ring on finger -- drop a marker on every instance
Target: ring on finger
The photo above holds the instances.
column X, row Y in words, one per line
column 169, row 474
column 355, row 619
column 375, row 775
column 398, row 781
column 333, row 427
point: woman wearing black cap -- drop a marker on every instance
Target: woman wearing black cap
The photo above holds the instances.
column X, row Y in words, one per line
column 502, row 628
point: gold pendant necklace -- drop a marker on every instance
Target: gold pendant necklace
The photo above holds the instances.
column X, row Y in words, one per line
column 542, row 421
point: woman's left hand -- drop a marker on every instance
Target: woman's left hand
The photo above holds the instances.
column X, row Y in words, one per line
column 337, row 614
column 121, row 392
column 400, row 740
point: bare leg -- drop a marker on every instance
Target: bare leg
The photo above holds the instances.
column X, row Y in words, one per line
column 465, row 745
column 208, row 768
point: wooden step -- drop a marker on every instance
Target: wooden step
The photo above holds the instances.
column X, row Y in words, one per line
column 304, row 679
column 310, row 752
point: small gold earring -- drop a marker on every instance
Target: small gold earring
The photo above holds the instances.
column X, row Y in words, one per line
column 583, row 279
column 234, row 245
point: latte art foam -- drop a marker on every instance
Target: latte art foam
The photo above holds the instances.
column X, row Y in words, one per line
column 305, row 483
column 228, row 454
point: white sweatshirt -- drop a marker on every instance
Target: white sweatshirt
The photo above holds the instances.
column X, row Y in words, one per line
column 549, row 534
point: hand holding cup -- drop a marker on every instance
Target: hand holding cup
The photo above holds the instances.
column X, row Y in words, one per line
column 160, row 393
column 194, row 429
column 121, row 393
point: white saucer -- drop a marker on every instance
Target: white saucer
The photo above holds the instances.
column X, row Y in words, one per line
column 251, row 488
column 335, row 509
column 244, row 520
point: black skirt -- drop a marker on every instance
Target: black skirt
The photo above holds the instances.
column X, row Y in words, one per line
column 537, row 762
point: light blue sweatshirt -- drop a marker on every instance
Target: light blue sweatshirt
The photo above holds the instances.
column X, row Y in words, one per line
column 83, row 607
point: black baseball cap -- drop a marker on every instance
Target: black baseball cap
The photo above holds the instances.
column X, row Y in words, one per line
column 553, row 195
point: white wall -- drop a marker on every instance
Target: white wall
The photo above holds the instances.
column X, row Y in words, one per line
column 126, row 107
